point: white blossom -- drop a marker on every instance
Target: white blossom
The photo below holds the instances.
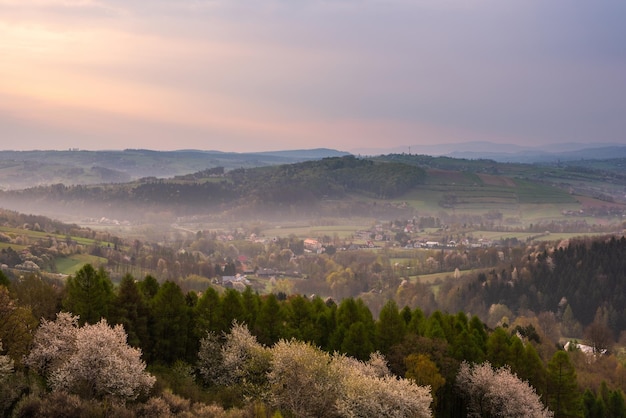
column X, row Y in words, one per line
column 302, row 380
column 245, row 361
column 364, row 394
column 210, row 359
column 53, row 344
column 6, row 366
column 92, row 361
column 498, row 393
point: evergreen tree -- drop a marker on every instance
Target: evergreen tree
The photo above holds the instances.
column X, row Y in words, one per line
column 593, row 407
column 417, row 323
column 132, row 312
column 207, row 313
column 390, row 328
column 357, row 342
column 563, row 396
column 232, row 308
column 466, row 348
column 269, row 324
column 4, row 280
column 89, row 294
column 498, row 348
column 251, row 304
column 533, row 369
column 615, row 406
column 300, row 319
column 171, row 324
column 149, row 287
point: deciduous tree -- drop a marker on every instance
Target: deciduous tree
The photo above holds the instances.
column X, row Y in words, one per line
column 17, row 325
column 366, row 394
column 93, row 361
column 302, row 380
column 424, row 372
column 498, row 393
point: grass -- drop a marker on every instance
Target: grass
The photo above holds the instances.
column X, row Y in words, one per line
column 39, row 235
column 70, row 265
column 14, row 247
column 342, row 231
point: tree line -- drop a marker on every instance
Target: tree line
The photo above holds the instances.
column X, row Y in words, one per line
column 291, row 184
column 172, row 328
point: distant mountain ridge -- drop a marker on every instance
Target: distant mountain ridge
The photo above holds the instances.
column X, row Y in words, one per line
column 511, row 152
column 23, row 169
column 529, row 156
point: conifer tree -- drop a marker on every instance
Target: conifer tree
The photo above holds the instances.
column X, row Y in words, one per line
column 562, row 391
column 390, row 327
column 171, row 322
column 89, row 294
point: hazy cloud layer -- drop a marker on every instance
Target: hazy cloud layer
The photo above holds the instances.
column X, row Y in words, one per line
column 273, row 74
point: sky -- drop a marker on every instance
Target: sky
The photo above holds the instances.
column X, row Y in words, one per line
column 351, row 75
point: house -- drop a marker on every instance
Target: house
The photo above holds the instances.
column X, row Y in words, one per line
column 237, row 281
column 312, row 245
column 587, row 349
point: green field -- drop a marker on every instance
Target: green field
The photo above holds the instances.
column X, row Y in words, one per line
column 342, row 231
column 70, row 265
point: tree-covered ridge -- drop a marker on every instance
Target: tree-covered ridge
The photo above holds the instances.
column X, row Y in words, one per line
column 586, row 278
column 299, row 184
column 329, row 177
column 244, row 347
column 23, row 169
column 443, row 163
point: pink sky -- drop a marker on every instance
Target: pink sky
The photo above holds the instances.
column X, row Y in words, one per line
column 255, row 75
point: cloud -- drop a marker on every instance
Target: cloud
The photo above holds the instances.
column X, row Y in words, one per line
column 312, row 70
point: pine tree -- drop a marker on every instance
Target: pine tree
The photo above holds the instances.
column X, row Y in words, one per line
column 171, row 322
column 390, row 328
column 562, row 391
column 132, row 312
column 269, row 324
column 89, row 294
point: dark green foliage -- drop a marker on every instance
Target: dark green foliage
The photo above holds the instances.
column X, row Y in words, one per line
column 357, row 342
column 171, row 324
column 149, row 286
column 532, row 369
column 301, row 319
column 334, row 177
column 89, row 294
column 131, row 310
column 251, row 302
column 616, row 407
column 269, row 324
column 499, row 348
column 390, row 328
column 592, row 406
column 43, row 298
column 272, row 186
column 349, row 313
column 563, row 396
column 207, row 313
column 232, row 309
column 4, row 280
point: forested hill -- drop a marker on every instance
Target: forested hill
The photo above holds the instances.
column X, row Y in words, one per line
column 263, row 187
column 23, row 169
column 330, row 177
column 583, row 281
